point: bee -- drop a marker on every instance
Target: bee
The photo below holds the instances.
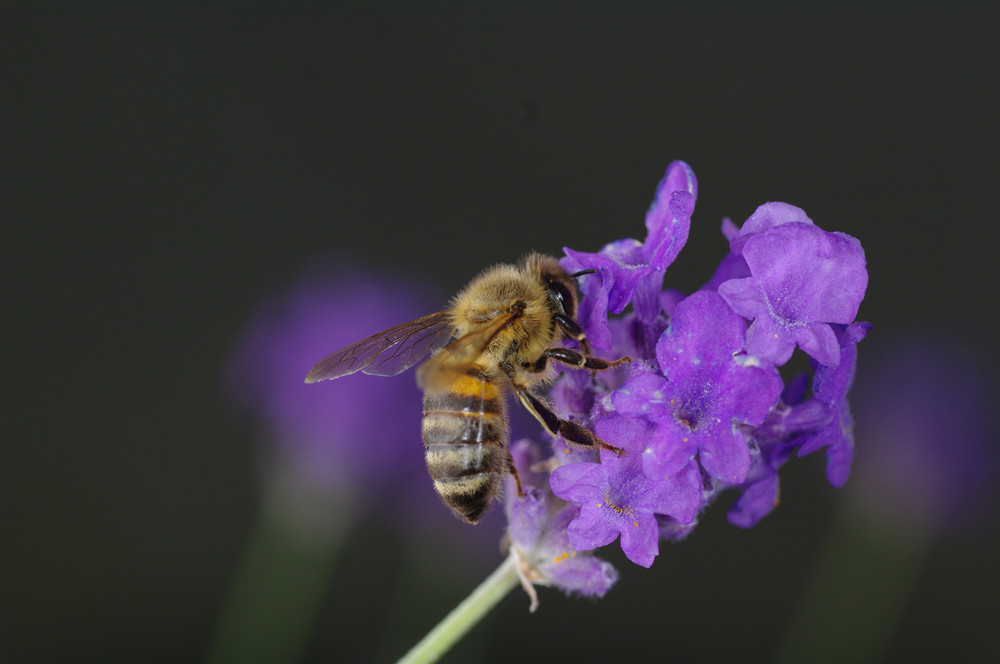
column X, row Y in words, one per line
column 502, row 331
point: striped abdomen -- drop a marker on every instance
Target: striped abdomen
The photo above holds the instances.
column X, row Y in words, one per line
column 465, row 433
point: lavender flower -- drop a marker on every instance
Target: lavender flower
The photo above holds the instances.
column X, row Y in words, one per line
column 703, row 407
column 802, row 279
column 706, row 385
column 632, row 270
column 536, row 527
column 617, row 498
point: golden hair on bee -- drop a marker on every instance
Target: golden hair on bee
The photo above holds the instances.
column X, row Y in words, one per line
column 500, row 332
column 537, row 288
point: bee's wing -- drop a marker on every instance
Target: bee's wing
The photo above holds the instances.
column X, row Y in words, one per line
column 387, row 353
column 458, row 356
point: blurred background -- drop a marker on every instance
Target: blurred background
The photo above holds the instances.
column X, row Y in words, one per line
column 174, row 179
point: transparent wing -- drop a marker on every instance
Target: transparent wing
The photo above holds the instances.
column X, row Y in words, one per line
column 387, row 353
column 460, row 354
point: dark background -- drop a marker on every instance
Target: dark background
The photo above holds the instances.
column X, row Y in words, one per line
column 162, row 169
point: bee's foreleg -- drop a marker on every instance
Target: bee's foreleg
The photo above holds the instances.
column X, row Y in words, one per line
column 573, row 331
column 574, row 359
column 565, row 429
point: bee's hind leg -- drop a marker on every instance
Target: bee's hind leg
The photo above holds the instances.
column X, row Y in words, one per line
column 569, row 431
column 513, row 472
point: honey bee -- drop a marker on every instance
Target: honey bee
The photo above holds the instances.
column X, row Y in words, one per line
column 500, row 332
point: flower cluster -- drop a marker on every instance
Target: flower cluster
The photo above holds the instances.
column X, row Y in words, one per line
column 702, row 407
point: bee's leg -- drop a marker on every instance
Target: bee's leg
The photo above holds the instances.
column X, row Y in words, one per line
column 513, row 471
column 573, row 331
column 569, row 431
column 574, row 359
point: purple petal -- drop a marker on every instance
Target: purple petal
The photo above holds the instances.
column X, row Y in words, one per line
column 854, row 333
column 765, row 217
column 830, row 386
column 669, row 217
column 630, row 433
column 756, row 502
column 629, row 268
column 589, row 531
column 593, row 312
column 833, row 381
column 631, row 271
column 753, row 391
column 766, row 339
column 818, row 341
column 668, row 450
column 640, row 540
column 619, row 270
column 526, row 518
column 577, row 482
column 680, row 494
column 807, row 274
column 744, row 296
column 580, row 573
column 726, row 457
column 666, row 240
column 704, row 332
column 644, row 394
column 732, row 266
column 838, row 461
column 729, row 229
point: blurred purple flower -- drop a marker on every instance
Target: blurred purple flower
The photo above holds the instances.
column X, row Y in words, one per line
column 337, row 434
column 929, row 422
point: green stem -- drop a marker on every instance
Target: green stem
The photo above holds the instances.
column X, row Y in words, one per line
column 465, row 615
column 278, row 587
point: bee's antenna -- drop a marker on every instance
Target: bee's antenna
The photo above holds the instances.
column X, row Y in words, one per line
column 583, row 272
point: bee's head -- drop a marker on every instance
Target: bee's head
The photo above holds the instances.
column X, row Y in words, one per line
column 560, row 284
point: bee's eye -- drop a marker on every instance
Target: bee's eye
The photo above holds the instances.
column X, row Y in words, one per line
column 562, row 297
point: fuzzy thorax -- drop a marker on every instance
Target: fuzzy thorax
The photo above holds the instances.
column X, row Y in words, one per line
column 497, row 292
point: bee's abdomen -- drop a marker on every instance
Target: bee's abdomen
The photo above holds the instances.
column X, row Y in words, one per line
column 465, row 433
